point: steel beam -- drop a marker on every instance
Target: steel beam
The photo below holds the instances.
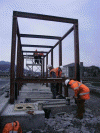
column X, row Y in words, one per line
column 31, row 56
column 60, row 64
column 40, row 36
column 18, row 72
column 34, row 51
column 41, row 70
column 46, row 69
column 33, row 64
column 43, row 66
column 22, row 65
column 19, row 50
column 12, row 68
column 52, row 57
column 40, row 80
column 41, row 46
column 44, row 17
column 76, row 51
column 60, row 54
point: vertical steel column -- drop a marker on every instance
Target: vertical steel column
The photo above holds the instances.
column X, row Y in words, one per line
column 18, row 73
column 60, row 54
column 43, row 67
column 76, row 49
column 32, row 66
column 60, row 64
column 12, row 68
column 22, row 68
column 46, row 69
column 52, row 57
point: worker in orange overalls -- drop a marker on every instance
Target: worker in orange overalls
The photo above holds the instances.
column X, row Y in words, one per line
column 36, row 57
column 55, row 73
column 81, row 94
column 39, row 57
column 13, row 127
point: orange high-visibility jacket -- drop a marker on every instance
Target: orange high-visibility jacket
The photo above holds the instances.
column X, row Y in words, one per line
column 81, row 90
column 41, row 54
column 36, row 54
column 56, row 72
column 13, row 127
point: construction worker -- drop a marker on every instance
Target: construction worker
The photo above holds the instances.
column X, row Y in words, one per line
column 55, row 73
column 13, row 127
column 81, row 94
column 36, row 57
column 39, row 57
column 49, row 67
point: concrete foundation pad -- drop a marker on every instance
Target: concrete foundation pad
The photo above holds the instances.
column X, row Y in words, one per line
column 60, row 108
column 27, row 121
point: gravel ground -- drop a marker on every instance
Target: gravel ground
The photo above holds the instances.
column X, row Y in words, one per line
column 67, row 123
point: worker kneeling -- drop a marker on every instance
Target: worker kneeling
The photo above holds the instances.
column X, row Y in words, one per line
column 81, row 94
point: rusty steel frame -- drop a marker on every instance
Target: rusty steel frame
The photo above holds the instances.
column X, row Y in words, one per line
column 34, row 51
column 41, row 46
column 52, row 57
column 46, row 69
column 44, row 17
column 40, row 36
column 20, row 58
column 40, row 80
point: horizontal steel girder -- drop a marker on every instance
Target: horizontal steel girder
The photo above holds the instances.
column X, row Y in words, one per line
column 40, row 36
column 42, row 46
column 40, row 80
column 34, row 52
column 44, row 17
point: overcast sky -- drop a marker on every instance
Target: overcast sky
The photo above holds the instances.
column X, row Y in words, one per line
column 86, row 11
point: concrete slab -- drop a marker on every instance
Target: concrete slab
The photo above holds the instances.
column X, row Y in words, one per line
column 60, row 108
column 26, row 106
column 34, row 91
column 3, row 102
column 27, row 121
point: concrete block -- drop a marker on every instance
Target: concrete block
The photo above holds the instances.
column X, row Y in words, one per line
column 27, row 121
column 26, row 106
column 60, row 108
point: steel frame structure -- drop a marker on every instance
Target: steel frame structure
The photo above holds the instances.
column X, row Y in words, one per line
column 20, row 79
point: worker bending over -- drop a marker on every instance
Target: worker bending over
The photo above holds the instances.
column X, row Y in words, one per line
column 81, row 94
column 55, row 73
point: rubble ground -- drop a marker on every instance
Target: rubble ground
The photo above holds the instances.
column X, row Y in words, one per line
column 67, row 123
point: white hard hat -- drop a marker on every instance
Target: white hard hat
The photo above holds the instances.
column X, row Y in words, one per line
column 61, row 67
column 49, row 65
column 67, row 81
